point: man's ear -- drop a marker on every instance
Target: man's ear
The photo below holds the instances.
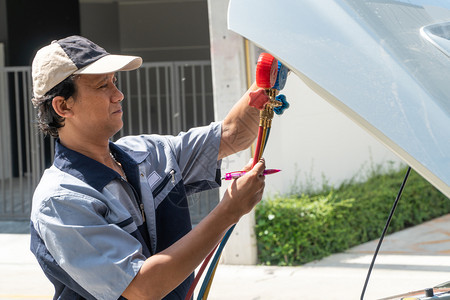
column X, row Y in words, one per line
column 62, row 106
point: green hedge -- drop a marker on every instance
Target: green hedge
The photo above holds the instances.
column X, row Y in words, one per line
column 299, row 229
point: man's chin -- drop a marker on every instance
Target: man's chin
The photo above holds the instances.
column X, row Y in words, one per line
column 116, row 131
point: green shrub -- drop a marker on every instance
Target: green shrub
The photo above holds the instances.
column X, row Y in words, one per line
column 299, row 229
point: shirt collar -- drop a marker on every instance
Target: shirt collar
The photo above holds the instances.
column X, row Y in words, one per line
column 89, row 170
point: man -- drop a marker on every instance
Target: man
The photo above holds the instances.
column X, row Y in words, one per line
column 110, row 220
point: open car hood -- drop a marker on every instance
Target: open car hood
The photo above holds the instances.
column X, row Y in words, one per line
column 385, row 64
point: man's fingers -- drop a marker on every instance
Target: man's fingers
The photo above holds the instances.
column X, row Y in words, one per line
column 248, row 166
column 260, row 167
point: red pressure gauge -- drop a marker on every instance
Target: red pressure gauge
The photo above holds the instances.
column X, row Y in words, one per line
column 266, row 71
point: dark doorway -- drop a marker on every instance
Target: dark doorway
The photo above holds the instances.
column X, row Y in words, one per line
column 31, row 25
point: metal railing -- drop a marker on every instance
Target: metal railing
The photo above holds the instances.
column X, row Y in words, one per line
column 162, row 98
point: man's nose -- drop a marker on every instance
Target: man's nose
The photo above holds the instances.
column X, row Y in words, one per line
column 118, row 95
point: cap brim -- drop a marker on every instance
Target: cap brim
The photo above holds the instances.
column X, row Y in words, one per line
column 112, row 63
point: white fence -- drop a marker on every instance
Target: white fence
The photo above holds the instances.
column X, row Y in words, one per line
column 164, row 98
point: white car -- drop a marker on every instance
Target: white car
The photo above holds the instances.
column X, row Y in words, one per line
column 384, row 63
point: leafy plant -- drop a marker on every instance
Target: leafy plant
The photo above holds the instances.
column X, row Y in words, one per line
column 298, row 229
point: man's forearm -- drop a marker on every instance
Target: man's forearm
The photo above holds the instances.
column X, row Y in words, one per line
column 162, row 272
column 240, row 126
column 165, row 270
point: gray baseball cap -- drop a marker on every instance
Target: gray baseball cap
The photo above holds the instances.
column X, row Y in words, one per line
column 75, row 55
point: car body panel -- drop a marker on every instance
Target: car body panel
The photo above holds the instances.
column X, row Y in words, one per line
column 384, row 64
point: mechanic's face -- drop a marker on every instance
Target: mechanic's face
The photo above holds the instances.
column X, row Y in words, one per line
column 97, row 104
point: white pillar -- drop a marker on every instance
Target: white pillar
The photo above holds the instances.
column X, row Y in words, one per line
column 229, row 84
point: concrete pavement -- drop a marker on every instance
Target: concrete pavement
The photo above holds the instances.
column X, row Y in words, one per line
column 409, row 260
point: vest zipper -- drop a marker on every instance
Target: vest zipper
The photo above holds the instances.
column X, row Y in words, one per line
column 173, row 176
column 141, row 206
column 138, row 199
column 160, row 187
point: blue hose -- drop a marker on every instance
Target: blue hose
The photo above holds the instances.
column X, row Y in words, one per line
column 214, row 262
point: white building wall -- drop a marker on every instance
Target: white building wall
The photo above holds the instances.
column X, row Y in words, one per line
column 229, row 84
column 313, row 143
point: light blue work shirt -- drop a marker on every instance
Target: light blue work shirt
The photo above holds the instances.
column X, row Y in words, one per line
column 87, row 222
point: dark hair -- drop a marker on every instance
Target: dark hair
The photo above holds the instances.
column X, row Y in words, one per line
column 48, row 120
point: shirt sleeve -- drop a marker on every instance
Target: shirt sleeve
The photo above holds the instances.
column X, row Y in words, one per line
column 194, row 152
column 100, row 257
column 197, row 154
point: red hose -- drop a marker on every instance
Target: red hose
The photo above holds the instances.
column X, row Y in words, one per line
column 199, row 274
column 258, row 146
